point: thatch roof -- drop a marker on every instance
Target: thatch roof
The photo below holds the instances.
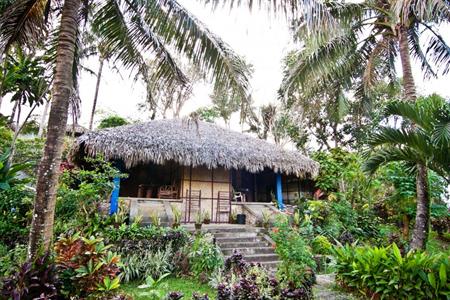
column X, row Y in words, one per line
column 191, row 144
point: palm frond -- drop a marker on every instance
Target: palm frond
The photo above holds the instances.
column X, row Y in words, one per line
column 414, row 113
column 390, row 154
column 438, row 50
column 189, row 36
column 23, row 22
column 126, row 37
column 415, row 139
column 313, row 13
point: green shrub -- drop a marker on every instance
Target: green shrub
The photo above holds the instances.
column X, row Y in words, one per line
column 11, row 259
column 139, row 266
column 86, row 266
column 205, row 257
column 16, row 204
column 384, row 273
column 321, row 245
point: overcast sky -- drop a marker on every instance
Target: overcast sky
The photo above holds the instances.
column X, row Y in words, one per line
column 261, row 40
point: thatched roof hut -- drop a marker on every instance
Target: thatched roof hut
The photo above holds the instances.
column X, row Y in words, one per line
column 192, row 144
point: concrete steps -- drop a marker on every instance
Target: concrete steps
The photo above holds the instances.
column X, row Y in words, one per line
column 250, row 241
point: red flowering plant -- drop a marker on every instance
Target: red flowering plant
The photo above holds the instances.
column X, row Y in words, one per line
column 85, row 264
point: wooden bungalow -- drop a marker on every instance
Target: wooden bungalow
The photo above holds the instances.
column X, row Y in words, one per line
column 198, row 166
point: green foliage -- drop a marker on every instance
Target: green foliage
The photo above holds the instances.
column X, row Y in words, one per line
column 11, row 259
column 16, row 204
column 321, row 245
column 146, row 263
column 112, row 121
column 9, row 172
column 385, row 273
column 207, row 114
column 84, row 265
column 293, row 250
column 81, row 193
column 205, row 257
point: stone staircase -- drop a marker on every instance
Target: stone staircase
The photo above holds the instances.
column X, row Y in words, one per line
column 250, row 241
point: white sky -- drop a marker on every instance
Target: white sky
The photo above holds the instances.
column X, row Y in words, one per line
column 263, row 41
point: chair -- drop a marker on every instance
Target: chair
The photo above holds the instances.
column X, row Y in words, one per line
column 193, row 203
column 239, row 196
column 167, row 192
column 223, row 205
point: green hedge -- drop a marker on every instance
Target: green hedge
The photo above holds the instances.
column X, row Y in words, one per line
column 387, row 274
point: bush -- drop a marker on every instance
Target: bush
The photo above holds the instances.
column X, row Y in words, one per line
column 11, row 259
column 16, row 204
column 34, row 280
column 139, row 266
column 321, row 245
column 384, row 273
column 205, row 257
column 134, row 238
column 86, row 265
column 243, row 281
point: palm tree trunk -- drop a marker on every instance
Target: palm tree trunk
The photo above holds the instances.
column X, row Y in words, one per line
column 97, row 87
column 422, row 224
column 405, row 57
column 421, row 228
column 41, row 231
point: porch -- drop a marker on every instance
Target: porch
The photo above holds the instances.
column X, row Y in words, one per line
column 217, row 192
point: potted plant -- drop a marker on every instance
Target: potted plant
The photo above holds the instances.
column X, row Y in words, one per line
column 206, row 217
column 233, row 217
column 176, row 216
column 198, row 221
column 155, row 219
column 265, row 219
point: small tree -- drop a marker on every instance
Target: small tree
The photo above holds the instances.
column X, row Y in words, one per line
column 423, row 142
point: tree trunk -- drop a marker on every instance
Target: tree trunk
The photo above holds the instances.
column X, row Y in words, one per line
column 43, row 119
column 41, row 231
column 408, row 79
column 421, row 228
column 405, row 227
column 97, row 87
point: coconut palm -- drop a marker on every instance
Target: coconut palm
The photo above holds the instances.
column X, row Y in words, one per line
column 371, row 36
column 363, row 50
column 426, row 145
column 129, row 28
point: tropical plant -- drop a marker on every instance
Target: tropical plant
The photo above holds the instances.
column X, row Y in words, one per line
column 386, row 274
column 36, row 279
column 426, row 143
column 84, row 264
column 145, row 263
column 205, row 257
column 176, row 216
column 9, row 173
column 153, row 287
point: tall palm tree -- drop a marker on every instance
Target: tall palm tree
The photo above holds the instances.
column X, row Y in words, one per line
column 363, row 50
column 426, row 145
column 129, row 28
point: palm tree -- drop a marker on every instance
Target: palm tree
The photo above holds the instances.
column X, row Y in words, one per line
column 129, row 28
column 363, row 50
column 426, row 145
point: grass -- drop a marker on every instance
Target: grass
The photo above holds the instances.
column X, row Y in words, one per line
column 185, row 285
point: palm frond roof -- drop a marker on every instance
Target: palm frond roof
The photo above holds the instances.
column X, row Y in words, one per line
column 191, row 143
